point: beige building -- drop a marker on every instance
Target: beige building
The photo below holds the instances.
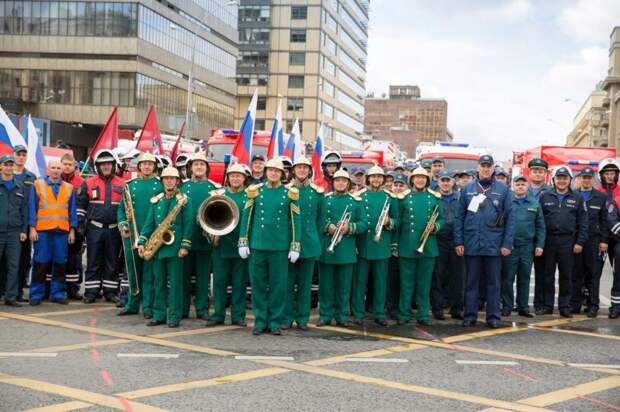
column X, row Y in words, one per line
column 591, row 122
column 611, row 85
column 311, row 56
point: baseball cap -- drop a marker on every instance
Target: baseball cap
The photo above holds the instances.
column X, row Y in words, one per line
column 486, row 159
column 20, row 148
column 519, row 178
column 445, row 174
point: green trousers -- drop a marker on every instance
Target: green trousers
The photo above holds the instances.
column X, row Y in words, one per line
column 141, row 272
column 196, row 263
column 379, row 269
column 298, row 292
column 168, row 285
column 268, row 276
column 229, row 271
column 518, row 264
column 415, row 277
column 335, row 292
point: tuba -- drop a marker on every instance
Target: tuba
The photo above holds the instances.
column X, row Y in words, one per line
column 218, row 216
column 164, row 235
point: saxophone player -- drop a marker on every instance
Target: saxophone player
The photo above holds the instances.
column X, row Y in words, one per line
column 168, row 264
column 417, row 207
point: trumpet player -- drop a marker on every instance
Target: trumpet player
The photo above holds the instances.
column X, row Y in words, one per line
column 421, row 217
column 374, row 246
column 168, row 264
column 342, row 219
column 197, row 264
column 139, row 272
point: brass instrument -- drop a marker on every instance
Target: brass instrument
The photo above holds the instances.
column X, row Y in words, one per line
column 430, row 226
column 384, row 213
column 133, row 240
column 218, row 216
column 337, row 236
column 163, row 235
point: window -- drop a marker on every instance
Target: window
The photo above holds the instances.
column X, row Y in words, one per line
column 297, row 58
column 259, row 124
column 299, row 12
column 328, row 88
column 328, row 110
column 252, row 79
column 331, row 22
column 329, row 44
column 253, row 59
column 296, row 82
column 254, row 13
column 329, row 67
column 298, row 35
column 295, row 104
column 254, row 36
column 261, row 103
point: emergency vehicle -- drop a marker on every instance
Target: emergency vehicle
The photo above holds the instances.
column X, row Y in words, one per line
column 364, row 159
column 457, row 156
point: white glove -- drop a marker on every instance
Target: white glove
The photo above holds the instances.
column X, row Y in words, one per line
column 293, row 256
column 244, row 252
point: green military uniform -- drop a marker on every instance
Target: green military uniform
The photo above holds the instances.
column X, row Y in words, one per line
column 198, row 262
column 373, row 255
column 229, row 268
column 416, row 269
column 300, row 273
column 167, row 266
column 336, row 271
column 270, row 226
column 139, row 272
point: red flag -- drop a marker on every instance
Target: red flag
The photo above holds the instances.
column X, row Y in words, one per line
column 150, row 137
column 108, row 138
column 175, row 148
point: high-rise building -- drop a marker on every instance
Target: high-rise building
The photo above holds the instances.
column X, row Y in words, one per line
column 406, row 118
column 311, row 56
column 591, row 122
column 72, row 61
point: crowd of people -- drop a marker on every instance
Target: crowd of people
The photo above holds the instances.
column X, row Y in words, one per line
column 416, row 239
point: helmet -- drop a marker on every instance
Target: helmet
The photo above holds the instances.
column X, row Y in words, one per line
column 170, row 171
column 146, row 157
column 275, row 164
column 562, row 171
column 286, row 162
column 399, row 165
column 247, row 169
column 197, row 156
column 538, row 162
column 331, row 157
column 302, row 161
column 608, row 164
column 420, row 171
column 181, row 160
column 342, row 173
column 164, row 160
column 131, row 154
column 236, row 168
column 375, row 170
column 118, row 153
column 105, row 155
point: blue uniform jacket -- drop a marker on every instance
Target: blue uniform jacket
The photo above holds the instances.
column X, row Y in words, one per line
column 490, row 228
column 567, row 217
column 33, row 204
column 449, row 213
column 13, row 207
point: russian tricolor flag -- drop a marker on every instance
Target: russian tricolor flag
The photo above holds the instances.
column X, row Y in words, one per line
column 9, row 135
column 276, row 143
column 317, row 155
column 243, row 146
column 293, row 145
column 36, row 159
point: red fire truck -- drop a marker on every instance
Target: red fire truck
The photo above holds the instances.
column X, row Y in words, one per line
column 364, row 159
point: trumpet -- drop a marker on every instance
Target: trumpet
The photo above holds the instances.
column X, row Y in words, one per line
column 384, row 213
column 337, row 236
column 430, row 226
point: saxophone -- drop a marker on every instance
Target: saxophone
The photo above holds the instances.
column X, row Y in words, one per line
column 164, row 235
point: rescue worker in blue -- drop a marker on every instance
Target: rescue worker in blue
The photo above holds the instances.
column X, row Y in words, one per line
column 27, row 178
column 103, row 240
column 437, row 165
column 566, row 220
column 483, row 232
column 52, row 221
column 529, row 241
column 393, row 280
column 13, row 227
column 588, row 264
column 613, row 222
column 501, row 175
column 449, row 273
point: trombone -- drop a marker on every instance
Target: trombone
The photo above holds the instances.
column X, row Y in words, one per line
column 384, row 213
column 337, row 236
column 133, row 241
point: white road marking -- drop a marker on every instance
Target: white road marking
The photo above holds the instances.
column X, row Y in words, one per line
column 247, row 357
column 29, row 354
column 476, row 362
column 148, row 355
column 592, row 365
column 378, row 360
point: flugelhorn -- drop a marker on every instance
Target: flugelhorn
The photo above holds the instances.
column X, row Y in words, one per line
column 384, row 213
column 337, row 236
column 430, row 226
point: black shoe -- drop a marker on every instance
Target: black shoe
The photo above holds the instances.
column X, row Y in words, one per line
column 148, row 316
column 381, row 322
column 592, row 313
column 566, row 313
column 613, row 314
column 112, row 299
column 241, row 323
column 493, row 324
column 63, row 301
column 125, row 312
column 506, row 312
column 439, row 316
column 469, row 323
column 257, row 331
column 357, row 321
column 575, row 311
column 154, row 322
column 457, row 316
column 526, row 313
column 276, row 331
column 13, row 303
column 287, row 326
column 322, row 322
column 89, row 299
column 422, row 322
column 173, row 324
column 21, row 299
column 213, row 322
column 204, row 316
column 74, row 295
column 34, row 302
column 302, row 326
column 544, row 311
column 344, row 324
column 402, row 321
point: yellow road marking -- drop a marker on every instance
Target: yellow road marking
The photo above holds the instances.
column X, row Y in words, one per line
column 61, row 407
column 200, row 331
column 578, row 332
column 74, row 393
column 76, row 311
column 85, row 345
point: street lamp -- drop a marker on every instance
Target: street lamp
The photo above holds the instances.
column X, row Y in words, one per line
column 190, row 84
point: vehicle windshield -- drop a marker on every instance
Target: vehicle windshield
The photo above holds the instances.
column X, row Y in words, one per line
column 349, row 165
column 460, row 164
column 217, row 151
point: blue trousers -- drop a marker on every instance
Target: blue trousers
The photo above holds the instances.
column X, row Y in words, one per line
column 50, row 250
column 491, row 268
column 9, row 252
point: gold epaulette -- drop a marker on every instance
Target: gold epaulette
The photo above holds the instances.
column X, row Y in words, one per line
column 293, row 193
column 360, row 192
column 156, row 198
column 216, row 184
column 317, row 188
column 355, row 197
column 404, row 194
column 130, row 180
column 253, row 190
column 436, row 194
column 329, row 194
column 217, row 192
column 390, row 194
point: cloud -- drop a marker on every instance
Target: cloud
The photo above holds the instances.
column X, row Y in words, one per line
column 588, row 65
column 510, row 11
column 590, row 21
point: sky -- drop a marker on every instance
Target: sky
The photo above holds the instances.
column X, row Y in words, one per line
column 514, row 72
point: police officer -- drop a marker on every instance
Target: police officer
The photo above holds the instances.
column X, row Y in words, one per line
column 139, row 271
column 13, row 227
column 53, row 219
column 331, row 162
column 393, row 280
column 483, row 232
column 336, row 265
column 198, row 261
column 529, row 241
column 566, row 220
column 27, row 178
column 588, row 264
column 270, row 236
column 103, row 241
column 168, row 262
column 228, row 267
column 374, row 253
column 258, row 169
column 449, row 273
column 300, row 273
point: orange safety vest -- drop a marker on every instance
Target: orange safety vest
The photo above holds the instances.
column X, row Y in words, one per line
column 53, row 212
